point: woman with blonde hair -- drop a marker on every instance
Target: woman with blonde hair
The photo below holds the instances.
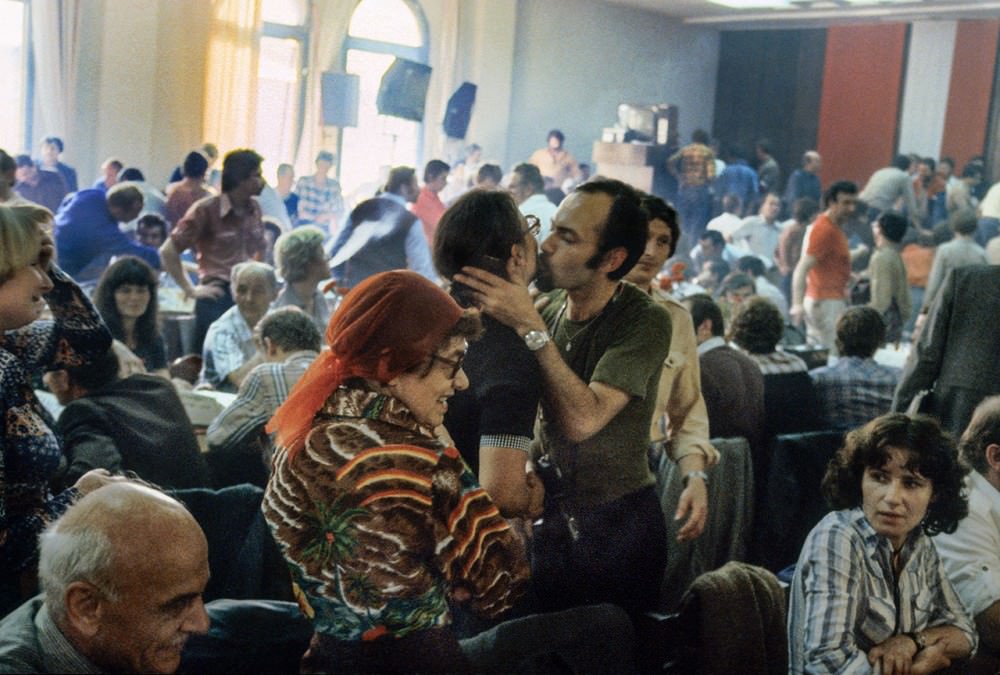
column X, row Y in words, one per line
column 29, row 450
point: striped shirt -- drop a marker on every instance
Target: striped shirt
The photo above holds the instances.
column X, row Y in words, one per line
column 263, row 390
column 844, row 601
column 379, row 522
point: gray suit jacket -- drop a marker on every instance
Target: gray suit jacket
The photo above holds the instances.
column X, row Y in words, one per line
column 957, row 353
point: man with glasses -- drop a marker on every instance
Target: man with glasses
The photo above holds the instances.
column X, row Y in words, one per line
column 528, row 188
column 600, row 344
column 492, row 422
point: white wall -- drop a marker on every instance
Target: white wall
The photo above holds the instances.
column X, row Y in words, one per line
column 576, row 60
column 537, row 63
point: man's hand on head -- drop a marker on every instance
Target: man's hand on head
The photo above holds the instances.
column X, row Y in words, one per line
column 509, row 303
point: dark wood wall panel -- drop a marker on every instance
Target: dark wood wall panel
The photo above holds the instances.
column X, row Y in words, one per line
column 769, row 86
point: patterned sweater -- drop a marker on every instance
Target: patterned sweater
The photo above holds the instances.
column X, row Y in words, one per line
column 380, row 522
column 29, row 451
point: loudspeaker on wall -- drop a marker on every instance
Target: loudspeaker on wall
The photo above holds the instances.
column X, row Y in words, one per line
column 403, row 91
column 459, row 111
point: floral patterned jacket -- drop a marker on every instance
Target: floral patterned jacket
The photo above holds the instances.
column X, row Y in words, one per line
column 379, row 522
column 29, row 451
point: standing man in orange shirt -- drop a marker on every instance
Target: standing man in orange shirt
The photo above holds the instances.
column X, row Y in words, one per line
column 819, row 283
column 429, row 208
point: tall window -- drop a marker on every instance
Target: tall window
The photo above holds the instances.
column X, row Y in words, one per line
column 380, row 31
column 283, row 49
column 13, row 76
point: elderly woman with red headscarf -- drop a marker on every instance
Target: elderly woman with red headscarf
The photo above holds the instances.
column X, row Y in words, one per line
column 380, row 520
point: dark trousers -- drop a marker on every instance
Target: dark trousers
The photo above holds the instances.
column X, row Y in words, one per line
column 207, row 311
column 618, row 558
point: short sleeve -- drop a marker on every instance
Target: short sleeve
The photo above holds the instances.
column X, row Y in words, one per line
column 639, row 348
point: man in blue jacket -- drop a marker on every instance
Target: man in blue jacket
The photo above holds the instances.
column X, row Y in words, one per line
column 87, row 234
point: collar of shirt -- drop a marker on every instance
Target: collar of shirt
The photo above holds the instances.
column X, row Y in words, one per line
column 58, row 653
column 711, row 343
column 878, row 547
column 301, row 354
column 348, row 402
column 225, row 205
column 394, row 197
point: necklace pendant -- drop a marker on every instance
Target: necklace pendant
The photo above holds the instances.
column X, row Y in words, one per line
column 569, row 345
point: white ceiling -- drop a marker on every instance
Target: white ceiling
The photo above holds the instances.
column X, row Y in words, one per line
column 817, row 13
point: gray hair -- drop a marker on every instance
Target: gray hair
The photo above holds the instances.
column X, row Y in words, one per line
column 291, row 329
column 256, row 268
column 293, row 251
column 67, row 557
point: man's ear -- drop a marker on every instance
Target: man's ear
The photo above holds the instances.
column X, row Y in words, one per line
column 84, row 607
column 993, row 456
column 613, row 259
column 57, row 381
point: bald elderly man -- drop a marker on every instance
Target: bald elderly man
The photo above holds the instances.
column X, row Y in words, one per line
column 122, row 574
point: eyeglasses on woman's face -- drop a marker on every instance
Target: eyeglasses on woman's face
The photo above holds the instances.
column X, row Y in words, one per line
column 454, row 364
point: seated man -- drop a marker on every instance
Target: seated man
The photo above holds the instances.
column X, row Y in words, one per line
column 789, row 398
column 87, row 233
column 753, row 267
column 971, row 555
column 731, row 382
column 289, row 342
column 135, row 424
column 229, row 353
column 45, row 188
column 122, row 574
column 856, row 389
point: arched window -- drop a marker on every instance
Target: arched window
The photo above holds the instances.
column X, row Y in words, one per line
column 283, row 49
column 379, row 31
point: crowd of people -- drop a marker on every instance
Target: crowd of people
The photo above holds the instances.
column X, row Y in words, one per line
column 457, row 396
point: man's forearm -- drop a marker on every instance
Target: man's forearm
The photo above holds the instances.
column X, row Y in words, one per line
column 576, row 405
column 236, row 377
column 171, row 261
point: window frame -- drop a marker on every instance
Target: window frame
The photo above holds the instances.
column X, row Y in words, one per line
column 299, row 33
column 421, row 54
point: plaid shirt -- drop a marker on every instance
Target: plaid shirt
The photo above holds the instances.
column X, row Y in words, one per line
column 264, row 389
column 854, row 391
column 316, row 200
column 228, row 345
column 695, row 164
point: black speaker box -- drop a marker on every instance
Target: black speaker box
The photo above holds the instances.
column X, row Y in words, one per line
column 403, row 91
column 459, row 111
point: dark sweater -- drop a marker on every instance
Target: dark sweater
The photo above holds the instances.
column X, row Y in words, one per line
column 135, row 424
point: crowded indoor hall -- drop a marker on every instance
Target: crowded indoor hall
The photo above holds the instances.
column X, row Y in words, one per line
column 345, row 336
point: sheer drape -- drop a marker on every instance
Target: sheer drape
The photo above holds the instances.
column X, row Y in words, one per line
column 329, row 28
column 231, row 74
column 55, row 34
column 446, row 61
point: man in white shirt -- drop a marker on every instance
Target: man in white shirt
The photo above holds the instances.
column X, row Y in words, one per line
column 971, row 555
column 528, row 189
column 758, row 235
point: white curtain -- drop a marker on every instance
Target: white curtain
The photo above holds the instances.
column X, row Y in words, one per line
column 445, row 78
column 330, row 20
column 231, row 74
column 55, row 34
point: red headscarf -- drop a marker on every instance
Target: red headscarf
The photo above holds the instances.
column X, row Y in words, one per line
column 386, row 325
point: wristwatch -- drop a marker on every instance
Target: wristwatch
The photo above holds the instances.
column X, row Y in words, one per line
column 536, row 339
column 918, row 639
column 695, row 474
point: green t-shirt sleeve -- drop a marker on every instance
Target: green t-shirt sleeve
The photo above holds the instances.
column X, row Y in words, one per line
column 637, row 351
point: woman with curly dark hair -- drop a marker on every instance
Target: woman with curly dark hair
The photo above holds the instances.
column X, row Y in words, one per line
column 126, row 299
column 869, row 589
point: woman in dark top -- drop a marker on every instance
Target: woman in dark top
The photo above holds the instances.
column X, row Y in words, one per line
column 126, row 299
column 29, row 450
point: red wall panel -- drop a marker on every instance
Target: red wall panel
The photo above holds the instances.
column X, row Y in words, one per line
column 972, row 74
column 859, row 108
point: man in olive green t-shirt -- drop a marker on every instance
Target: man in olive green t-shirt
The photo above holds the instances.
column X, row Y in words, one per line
column 601, row 344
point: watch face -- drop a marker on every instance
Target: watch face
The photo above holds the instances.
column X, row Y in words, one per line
column 536, row 339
